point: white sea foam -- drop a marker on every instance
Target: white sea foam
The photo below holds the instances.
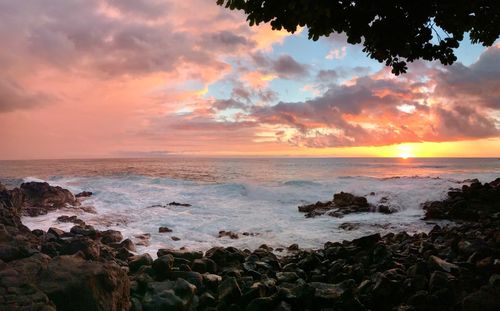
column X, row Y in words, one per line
column 269, row 209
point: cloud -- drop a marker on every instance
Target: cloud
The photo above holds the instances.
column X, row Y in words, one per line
column 285, row 66
column 337, row 53
column 14, row 97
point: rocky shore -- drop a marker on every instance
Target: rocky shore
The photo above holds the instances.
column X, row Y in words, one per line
column 456, row 267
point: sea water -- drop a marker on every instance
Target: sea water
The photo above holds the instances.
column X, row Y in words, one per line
column 259, row 196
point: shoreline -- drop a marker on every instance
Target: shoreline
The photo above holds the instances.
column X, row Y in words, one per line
column 451, row 268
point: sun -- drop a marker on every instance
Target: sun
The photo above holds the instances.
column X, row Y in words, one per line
column 405, row 152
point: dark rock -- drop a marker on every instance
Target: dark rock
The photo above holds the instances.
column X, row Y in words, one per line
column 485, row 299
column 72, row 283
column 111, row 236
column 174, row 238
column 135, row 262
column 128, row 245
column 40, row 197
column 293, row 247
column 438, row 263
column 72, row 219
column 83, row 194
column 189, row 255
column 229, row 290
column 56, row 232
column 344, row 199
column 163, row 264
column 86, row 230
column 164, row 229
column 349, row 226
column 230, row 234
column 178, row 204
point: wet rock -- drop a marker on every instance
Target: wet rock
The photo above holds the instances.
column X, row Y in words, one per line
column 174, row 238
column 178, row 204
column 164, row 229
column 485, row 299
column 349, row 226
column 344, row 199
column 72, row 219
column 128, row 245
column 83, row 194
column 40, row 198
column 293, row 247
column 111, row 236
column 86, row 230
column 229, row 234
column 142, row 239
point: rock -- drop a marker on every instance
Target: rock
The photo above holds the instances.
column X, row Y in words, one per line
column 128, row 245
column 40, row 197
column 72, row 219
column 344, row 199
column 438, row 263
column 189, row 255
column 169, row 295
column 229, row 290
column 179, row 204
column 174, row 238
column 384, row 209
column 88, row 247
column 111, row 236
column 72, row 283
column 194, row 278
column 143, row 239
column 86, row 230
column 135, row 262
column 485, row 299
column 326, row 294
column 163, row 264
column 367, row 241
column 164, row 229
column 230, row 234
column 56, row 232
column 293, row 247
column 83, row 194
column 349, row 226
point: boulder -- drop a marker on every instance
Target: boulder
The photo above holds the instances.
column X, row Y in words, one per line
column 73, row 283
column 40, row 198
column 111, row 236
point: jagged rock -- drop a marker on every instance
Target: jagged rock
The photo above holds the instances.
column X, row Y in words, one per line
column 40, row 198
column 73, row 283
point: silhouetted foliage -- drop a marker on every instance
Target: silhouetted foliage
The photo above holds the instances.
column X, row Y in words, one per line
column 393, row 32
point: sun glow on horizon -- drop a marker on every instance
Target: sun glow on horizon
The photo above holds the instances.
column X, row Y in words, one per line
column 405, row 152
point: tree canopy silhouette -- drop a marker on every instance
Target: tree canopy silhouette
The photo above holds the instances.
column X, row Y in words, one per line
column 393, row 32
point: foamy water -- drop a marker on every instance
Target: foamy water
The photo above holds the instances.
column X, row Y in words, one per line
column 258, row 196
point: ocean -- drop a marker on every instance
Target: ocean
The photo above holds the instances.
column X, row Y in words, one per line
column 255, row 195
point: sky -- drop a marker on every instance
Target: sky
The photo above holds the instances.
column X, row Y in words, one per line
column 140, row 78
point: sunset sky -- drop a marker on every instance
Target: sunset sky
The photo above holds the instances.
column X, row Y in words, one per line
column 134, row 78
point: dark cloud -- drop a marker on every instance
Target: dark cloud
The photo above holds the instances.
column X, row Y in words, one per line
column 478, row 84
column 141, row 8
column 14, row 97
column 285, row 66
